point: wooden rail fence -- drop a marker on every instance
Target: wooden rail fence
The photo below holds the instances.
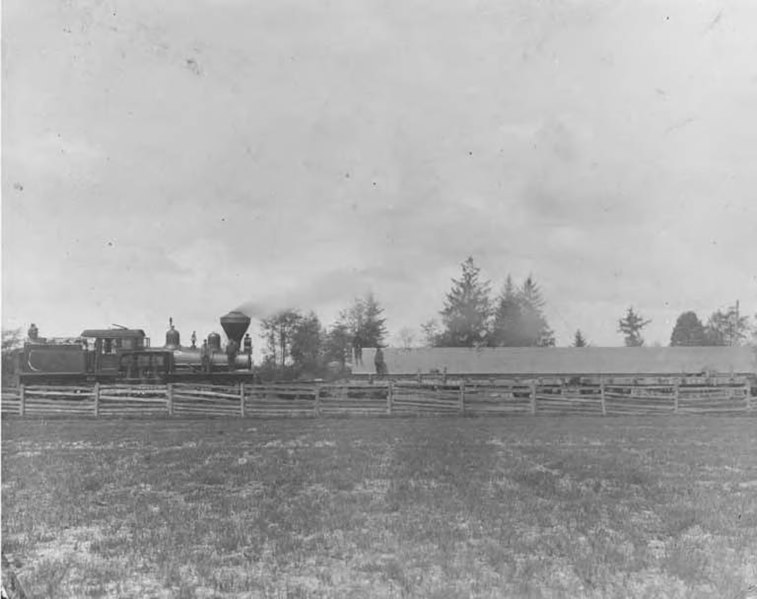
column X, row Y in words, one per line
column 405, row 398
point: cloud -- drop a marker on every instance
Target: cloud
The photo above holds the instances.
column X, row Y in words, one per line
column 49, row 157
column 331, row 150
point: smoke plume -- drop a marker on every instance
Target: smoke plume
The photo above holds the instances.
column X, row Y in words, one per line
column 334, row 287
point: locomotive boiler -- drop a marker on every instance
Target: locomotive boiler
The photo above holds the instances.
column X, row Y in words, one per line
column 211, row 357
column 123, row 354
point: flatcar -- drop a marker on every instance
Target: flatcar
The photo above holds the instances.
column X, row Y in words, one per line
column 125, row 355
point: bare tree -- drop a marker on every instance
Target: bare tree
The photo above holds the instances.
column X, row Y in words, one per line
column 407, row 337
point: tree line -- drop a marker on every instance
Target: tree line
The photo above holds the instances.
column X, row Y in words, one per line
column 724, row 327
column 471, row 317
column 298, row 345
column 515, row 318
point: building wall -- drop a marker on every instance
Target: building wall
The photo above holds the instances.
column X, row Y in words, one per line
column 563, row 361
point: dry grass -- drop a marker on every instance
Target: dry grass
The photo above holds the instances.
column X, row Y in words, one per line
column 446, row 507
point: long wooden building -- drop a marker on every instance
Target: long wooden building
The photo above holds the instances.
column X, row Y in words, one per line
column 562, row 362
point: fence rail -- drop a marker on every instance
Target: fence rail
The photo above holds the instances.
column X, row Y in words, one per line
column 401, row 398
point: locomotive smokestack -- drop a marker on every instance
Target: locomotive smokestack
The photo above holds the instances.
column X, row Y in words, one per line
column 235, row 325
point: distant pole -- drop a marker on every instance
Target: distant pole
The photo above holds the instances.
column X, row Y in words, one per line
column 241, row 399
column 21, row 399
column 735, row 325
column 389, row 398
column 462, row 396
column 602, row 395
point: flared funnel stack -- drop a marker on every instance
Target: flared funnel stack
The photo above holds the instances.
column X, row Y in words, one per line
column 235, row 325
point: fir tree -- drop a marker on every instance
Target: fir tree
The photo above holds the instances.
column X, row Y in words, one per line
column 536, row 331
column 519, row 319
column 579, row 340
column 631, row 326
column 467, row 308
column 507, row 325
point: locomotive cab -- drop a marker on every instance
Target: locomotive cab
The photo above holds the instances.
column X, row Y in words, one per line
column 105, row 346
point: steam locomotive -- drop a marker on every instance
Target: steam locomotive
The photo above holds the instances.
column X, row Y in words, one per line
column 125, row 355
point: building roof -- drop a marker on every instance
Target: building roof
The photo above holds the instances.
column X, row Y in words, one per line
column 563, row 361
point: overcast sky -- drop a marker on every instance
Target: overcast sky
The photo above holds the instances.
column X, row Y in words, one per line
column 183, row 158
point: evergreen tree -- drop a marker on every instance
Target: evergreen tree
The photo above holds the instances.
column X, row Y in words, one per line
column 467, row 308
column 374, row 323
column 631, row 326
column 507, row 326
column 688, row 330
column 579, row 340
column 536, row 331
column 519, row 319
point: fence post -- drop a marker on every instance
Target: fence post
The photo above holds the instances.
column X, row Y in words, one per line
column 169, row 396
column 97, row 400
column 317, row 402
column 462, row 396
column 676, row 395
column 21, row 399
column 241, row 399
column 748, row 390
column 533, row 397
column 602, row 395
column 389, row 398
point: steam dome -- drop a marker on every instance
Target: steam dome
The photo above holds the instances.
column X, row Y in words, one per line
column 173, row 339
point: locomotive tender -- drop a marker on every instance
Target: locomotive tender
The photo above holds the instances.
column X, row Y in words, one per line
column 125, row 355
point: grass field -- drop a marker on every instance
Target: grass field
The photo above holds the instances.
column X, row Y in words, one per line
column 434, row 507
